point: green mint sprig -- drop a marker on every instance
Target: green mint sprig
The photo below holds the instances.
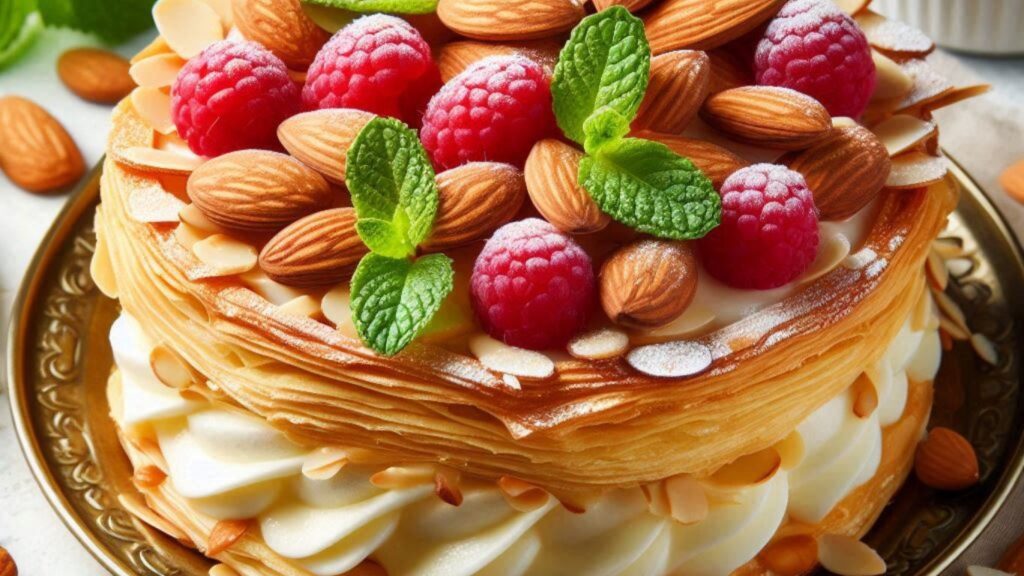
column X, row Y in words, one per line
column 395, row 196
column 598, row 86
column 20, row 24
column 99, row 17
column 390, row 6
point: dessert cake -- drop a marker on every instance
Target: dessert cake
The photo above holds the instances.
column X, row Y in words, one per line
column 543, row 288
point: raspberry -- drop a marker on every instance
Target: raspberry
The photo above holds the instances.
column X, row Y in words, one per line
column 769, row 230
column 377, row 63
column 232, row 96
column 814, row 47
column 532, row 285
column 494, row 110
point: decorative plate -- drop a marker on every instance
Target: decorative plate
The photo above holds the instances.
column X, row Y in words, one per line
column 59, row 360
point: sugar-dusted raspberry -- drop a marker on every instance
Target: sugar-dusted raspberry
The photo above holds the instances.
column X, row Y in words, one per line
column 377, row 63
column 232, row 96
column 769, row 230
column 495, row 110
column 532, row 286
column 814, row 47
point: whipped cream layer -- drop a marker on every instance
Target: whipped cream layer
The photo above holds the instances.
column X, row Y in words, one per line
column 232, row 465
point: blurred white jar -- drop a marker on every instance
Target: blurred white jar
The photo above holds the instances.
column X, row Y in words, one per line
column 980, row 26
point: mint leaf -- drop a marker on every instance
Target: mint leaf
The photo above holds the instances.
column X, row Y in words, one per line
column 606, row 62
column 387, row 238
column 392, row 6
column 604, row 126
column 648, row 187
column 100, row 17
column 20, row 25
column 391, row 179
column 394, row 300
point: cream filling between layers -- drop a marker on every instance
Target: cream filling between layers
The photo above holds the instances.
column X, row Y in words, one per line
column 230, row 465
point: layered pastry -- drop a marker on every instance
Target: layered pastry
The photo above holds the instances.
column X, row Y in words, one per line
column 631, row 288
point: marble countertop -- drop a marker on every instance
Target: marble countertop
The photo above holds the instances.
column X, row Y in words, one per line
column 985, row 135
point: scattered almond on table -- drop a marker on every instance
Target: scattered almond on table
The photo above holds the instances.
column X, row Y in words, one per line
column 946, row 461
column 36, row 152
column 7, row 565
column 1012, row 181
column 95, row 75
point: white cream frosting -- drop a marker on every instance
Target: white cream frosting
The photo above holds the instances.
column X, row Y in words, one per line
column 231, row 465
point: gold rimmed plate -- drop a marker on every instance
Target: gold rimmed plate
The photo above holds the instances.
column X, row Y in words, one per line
column 59, row 360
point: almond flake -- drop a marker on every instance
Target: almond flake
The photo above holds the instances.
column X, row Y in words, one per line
column 170, row 369
column 687, row 501
column 831, row 253
column 893, row 83
column 158, row 71
column 151, row 160
column 960, row 267
column 599, row 344
column 188, row 26
column 222, row 570
column 951, row 309
column 511, row 381
column 949, row 248
column 506, row 359
column 928, row 85
column 985, row 349
column 865, row 397
column 225, row 255
column 672, row 359
column 446, row 486
column 102, row 269
column 401, row 477
column 192, row 215
column 848, row 557
column 916, row 170
column 154, row 205
column 337, row 308
column 953, row 329
column 324, row 463
column 750, row 470
column 1012, row 181
column 224, row 535
column 938, row 274
column 902, row 133
column 304, row 305
column 148, row 476
column 522, row 496
column 274, row 292
column 893, row 37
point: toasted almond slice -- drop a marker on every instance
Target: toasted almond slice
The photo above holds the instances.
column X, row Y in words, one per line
column 902, row 133
column 916, row 170
column 599, row 344
column 687, row 500
column 159, row 71
column 304, row 305
column 792, row 450
column 137, row 507
column 985, row 349
column 225, row 255
column 953, row 329
column 938, row 274
column 831, row 253
column 951, row 309
column 401, row 477
column 275, row 292
column 337, row 308
column 191, row 214
column 224, row 535
column 678, row 359
column 791, row 555
column 154, row 48
column 928, row 85
column 154, row 205
column 960, row 267
column 1012, row 181
column 511, row 381
column 446, row 486
column 511, row 360
column 522, row 496
column 151, row 160
column 956, row 95
column 848, row 557
column 893, row 83
column 188, row 26
column 895, row 38
column 750, row 470
column 324, row 463
column 148, row 476
column 949, row 248
column 101, row 268
column 222, row 570
column 169, row 368
column 154, row 107
column 865, row 397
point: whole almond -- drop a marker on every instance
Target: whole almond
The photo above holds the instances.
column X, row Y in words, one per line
column 699, row 24
column 318, row 250
column 455, row 57
column 95, row 75
column 257, row 190
column 631, row 5
column 321, row 138
column 36, row 152
column 946, row 461
column 552, row 181
column 224, row 535
column 648, row 283
column 475, row 199
column 716, row 162
column 728, row 70
column 769, row 116
column 499, row 20
column 845, row 172
column 7, row 565
column 282, row 27
column 680, row 81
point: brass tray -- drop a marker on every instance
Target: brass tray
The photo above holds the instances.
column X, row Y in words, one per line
column 59, row 360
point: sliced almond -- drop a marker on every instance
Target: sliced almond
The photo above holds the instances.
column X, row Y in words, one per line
column 769, row 116
column 148, row 477
column 188, row 26
column 892, row 84
column 956, row 95
column 928, row 85
column 715, row 161
column 222, row 570
column 697, row 24
column 156, row 47
column 455, row 57
column 101, row 269
column 324, row 463
column 946, row 461
column 552, row 181
column 337, row 308
column 507, row 359
column 497, row 20
column 95, row 75
column 680, row 81
column 950, row 309
column 318, row 250
column 305, row 306
column 953, row 330
column 224, row 10
column 159, row 71
column 321, row 138
column 474, row 200
column 902, row 133
column 402, row 477
column 225, row 255
column 671, row 359
column 834, row 248
column 446, row 486
column 522, row 496
column 1012, row 181
column 938, row 274
column 985, row 349
column 154, row 161
column 750, row 470
column 170, row 369
column 790, row 555
column 687, row 500
column 600, row 344
column 865, row 397
column 154, row 107
column 154, row 205
column 916, row 170
column 648, row 283
column 846, row 556
column 224, row 535
column 894, row 38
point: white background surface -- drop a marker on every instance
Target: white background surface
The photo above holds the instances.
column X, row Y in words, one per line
column 985, row 135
